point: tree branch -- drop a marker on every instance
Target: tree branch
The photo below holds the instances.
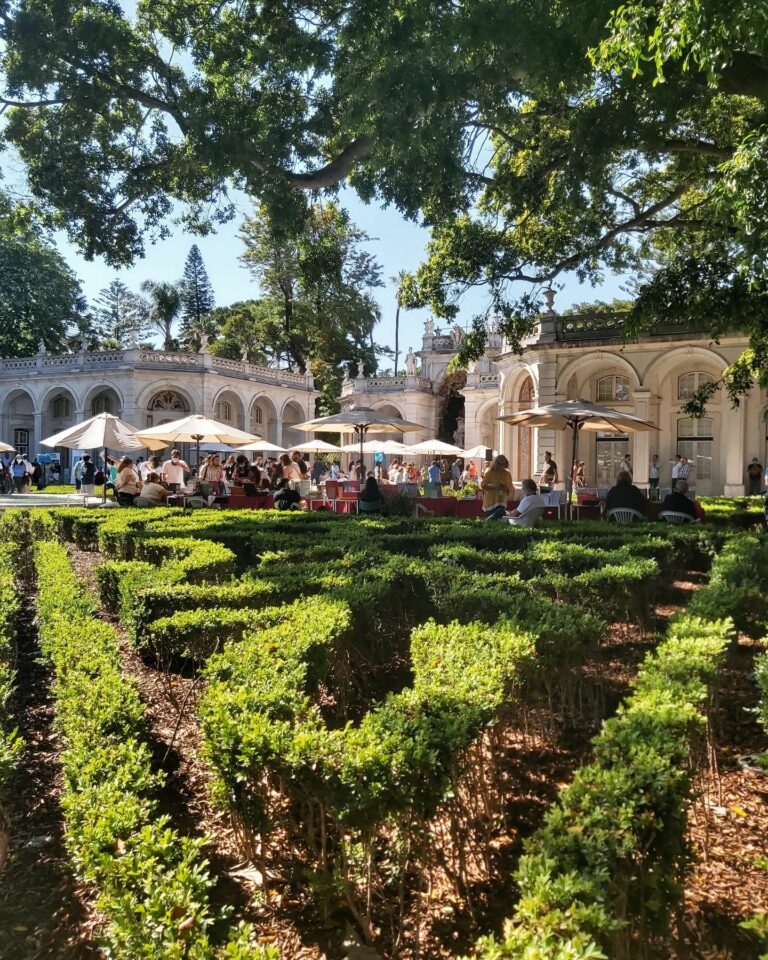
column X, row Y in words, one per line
column 747, row 75
column 333, row 172
column 30, row 103
column 702, row 147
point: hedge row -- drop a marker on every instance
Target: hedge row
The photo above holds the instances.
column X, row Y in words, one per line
column 260, row 727
column 153, row 885
column 606, row 868
column 738, row 584
column 11, row 743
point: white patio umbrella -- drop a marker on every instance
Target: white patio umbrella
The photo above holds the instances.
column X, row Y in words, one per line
column 478, row 452
column 314, row 446
column 6, row 448
column 434, row 448
column 579, row 415
column 261, row 446
column 376, row 446
column 104, row 431
column 361, row 420
column 197, row 429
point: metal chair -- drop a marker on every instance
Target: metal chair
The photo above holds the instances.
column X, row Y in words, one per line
column 624, row 515
column 673, row 516
column 530, row 518
column 194, row 503
column 369, row 506
column 143, row 502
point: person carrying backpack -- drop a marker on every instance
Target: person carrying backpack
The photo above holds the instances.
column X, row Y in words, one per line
column 87, row 476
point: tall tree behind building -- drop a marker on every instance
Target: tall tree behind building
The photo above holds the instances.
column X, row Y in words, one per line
column 121, row 316
column 197, row 300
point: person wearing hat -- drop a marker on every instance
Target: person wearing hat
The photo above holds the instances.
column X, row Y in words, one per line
column 754, row 477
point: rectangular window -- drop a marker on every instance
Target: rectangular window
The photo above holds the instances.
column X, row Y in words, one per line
column 611, row 449
column 694, row 440
column 21, row 442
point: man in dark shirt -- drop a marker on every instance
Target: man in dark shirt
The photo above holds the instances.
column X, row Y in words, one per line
column 677, row 501
column 625, row 494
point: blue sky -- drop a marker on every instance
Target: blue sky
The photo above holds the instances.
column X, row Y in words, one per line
column 398, row 244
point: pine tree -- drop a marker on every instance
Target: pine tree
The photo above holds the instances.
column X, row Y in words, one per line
column 197, row 299
column 121, row 317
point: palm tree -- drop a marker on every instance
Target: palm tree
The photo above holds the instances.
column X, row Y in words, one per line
column 165, row 306
column 399, row 281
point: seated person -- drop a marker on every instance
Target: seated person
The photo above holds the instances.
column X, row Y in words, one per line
column 678, row 502
column 625, row 494
column 153, row 490
column 285, row 498
column 371, row 495
column 530, row 508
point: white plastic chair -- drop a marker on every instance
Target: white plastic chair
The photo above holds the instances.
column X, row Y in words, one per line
column 624, row 515
column 673, row 516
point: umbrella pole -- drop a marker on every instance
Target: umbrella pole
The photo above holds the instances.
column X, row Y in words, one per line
column 106, row 474
column 576, row 426
column 362, row 465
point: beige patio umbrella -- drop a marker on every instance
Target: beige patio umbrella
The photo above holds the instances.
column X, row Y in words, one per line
column 105, row 431
column 478, row 452
column 359, row 419
column 197, row 429
column 6, row 448
column 579, row 415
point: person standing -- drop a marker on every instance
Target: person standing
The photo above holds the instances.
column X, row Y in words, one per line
column 626, row 465
column 754, row 477
column 87, row 476
column 173, row 471
column 497, row 488
column 549, row 474
column 676, row 464
column 654, row 472
column 18, row 473
column 434, row 474
column 684, row 471
column 457, row 468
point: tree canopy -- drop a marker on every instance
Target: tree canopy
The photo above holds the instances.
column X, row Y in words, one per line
column 316, row 303
column 40, row 299
column 536, row 138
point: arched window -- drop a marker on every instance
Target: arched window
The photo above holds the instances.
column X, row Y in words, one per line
column 167, row 400
column 60, row 408
column 101, row 404
column 224, row 411
column 258, row 415
column 612, row 389
column 689, row 383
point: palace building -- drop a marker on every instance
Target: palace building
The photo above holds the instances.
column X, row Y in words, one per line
column 582, row 357
column 42, row 395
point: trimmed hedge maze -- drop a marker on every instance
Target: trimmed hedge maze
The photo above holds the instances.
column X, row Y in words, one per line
column 363, row 683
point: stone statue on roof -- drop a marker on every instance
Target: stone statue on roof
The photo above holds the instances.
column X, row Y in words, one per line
column 429, row 327
column 411, row 363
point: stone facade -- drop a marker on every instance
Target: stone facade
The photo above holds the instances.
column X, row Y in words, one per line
column 586, row 357
column 44, row 394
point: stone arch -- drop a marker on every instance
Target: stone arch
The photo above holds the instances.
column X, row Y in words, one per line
column 486, row 424
column 587, row 369
column 262, row 416
column 705, row 439
column 451, row 407
column 164, row 405
column 190, row 402
column 58, row 410
column 18, row 418
column 519, row 392
column 665, row 364
column 385, row 409
column 229, row 408
column 292, row 414
column 102, row 398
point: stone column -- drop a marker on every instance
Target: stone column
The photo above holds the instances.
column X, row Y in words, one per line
column 547, row 439
column 733, row 446
column 37, row 436
column 641, row 447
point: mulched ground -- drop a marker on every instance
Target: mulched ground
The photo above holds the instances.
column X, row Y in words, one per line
column 43, row 912
column 724, row 888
